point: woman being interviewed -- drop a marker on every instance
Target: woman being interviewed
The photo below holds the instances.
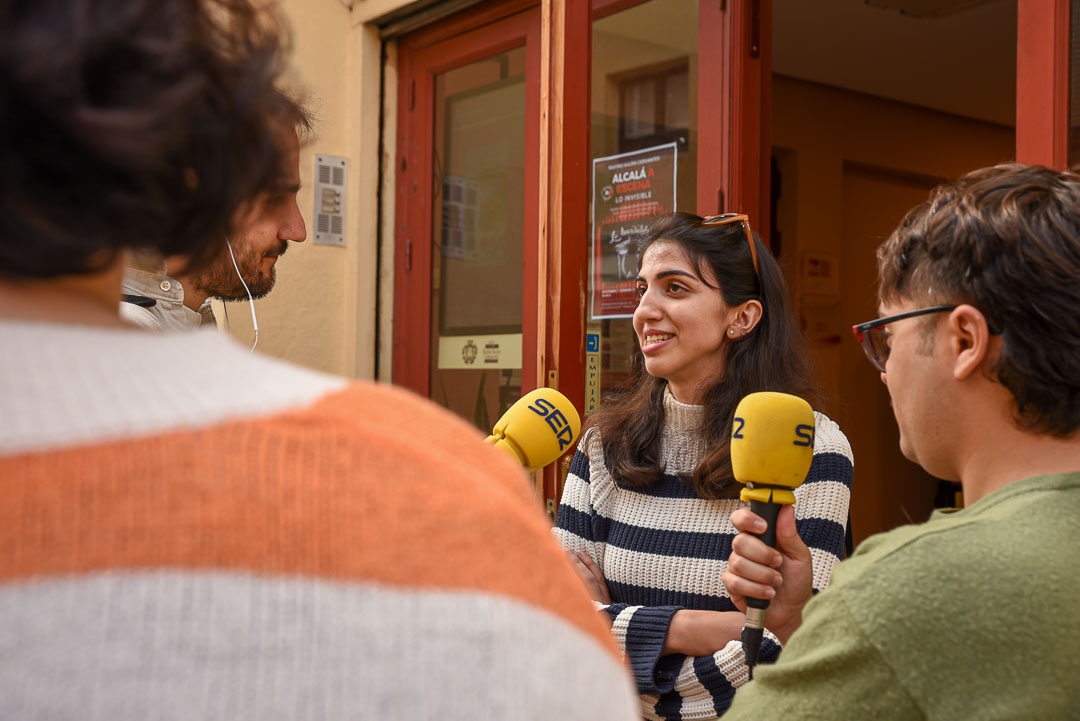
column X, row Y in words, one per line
column 645, row 509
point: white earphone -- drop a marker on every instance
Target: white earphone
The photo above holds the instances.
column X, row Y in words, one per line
column 251, row 301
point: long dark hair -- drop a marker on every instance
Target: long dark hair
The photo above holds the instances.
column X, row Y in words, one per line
column 134, row 124
column 773, row 357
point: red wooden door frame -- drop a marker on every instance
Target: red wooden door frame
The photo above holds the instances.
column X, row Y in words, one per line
column 732, row 164
column 564, row 192
column 422, row 56
column 1042, row 82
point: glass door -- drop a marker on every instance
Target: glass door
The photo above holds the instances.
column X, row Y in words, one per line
column 644, row 148
column 677, row 104
column 477, row 218
column 462, row 323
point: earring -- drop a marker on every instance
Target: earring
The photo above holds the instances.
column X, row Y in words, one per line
column 730, row 332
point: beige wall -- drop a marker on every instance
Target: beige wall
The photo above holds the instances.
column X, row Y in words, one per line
column 851, row 165
column 322, row 312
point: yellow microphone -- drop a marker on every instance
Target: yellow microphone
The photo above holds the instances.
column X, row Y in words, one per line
column 541, row 426
column 772, row 447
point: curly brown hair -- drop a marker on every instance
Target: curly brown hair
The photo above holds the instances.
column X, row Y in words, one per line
column 134, row 124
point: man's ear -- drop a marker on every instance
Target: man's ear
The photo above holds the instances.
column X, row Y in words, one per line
column 970, row 340
column 745, row 317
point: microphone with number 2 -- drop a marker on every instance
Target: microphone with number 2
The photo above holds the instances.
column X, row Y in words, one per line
column 772, row 446
column 541, row 426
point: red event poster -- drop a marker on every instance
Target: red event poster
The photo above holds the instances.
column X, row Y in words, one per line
column 629, row 190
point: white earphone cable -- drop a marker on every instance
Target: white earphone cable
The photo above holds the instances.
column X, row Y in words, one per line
column 251, row 301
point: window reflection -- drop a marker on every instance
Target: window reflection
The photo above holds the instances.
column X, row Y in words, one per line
column 644, row 95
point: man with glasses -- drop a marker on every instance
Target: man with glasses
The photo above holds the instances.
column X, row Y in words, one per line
column 974, row 613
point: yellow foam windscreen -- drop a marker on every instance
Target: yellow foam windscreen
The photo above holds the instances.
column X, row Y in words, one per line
column 772, row 445
column 541, row 426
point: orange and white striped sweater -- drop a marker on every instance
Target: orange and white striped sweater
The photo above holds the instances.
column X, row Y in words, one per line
column 191, row 531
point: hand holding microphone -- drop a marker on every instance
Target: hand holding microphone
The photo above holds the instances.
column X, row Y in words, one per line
column 541, row 426
column 772, row 447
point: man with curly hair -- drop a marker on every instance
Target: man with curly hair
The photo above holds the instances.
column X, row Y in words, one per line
column 189, row 530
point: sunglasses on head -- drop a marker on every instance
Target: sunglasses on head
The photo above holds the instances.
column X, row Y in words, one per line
column 728, row 218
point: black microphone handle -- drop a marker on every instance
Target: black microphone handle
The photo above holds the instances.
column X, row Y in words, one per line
column 768, row 511
column 754, row 629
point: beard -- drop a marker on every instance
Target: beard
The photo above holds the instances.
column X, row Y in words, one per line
column 221, row 280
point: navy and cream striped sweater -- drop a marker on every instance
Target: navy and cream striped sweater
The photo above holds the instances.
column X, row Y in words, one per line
column 664, row 548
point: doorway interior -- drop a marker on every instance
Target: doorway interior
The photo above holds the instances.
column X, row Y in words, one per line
column 872, row 105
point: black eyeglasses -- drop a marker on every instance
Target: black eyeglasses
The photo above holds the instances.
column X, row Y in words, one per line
column 727, row 218
column 875, row 343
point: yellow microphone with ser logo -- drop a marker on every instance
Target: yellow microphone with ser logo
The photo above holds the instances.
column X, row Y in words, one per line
column 541, row 426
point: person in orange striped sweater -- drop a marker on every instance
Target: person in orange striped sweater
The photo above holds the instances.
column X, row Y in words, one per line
column 189, row 530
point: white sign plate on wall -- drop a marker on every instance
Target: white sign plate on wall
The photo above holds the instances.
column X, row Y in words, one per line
column 331, row 182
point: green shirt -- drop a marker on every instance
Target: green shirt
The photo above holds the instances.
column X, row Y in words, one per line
column 973, row 614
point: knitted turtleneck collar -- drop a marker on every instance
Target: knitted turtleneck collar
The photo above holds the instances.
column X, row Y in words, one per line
column 683, row 444
column 681, row 416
